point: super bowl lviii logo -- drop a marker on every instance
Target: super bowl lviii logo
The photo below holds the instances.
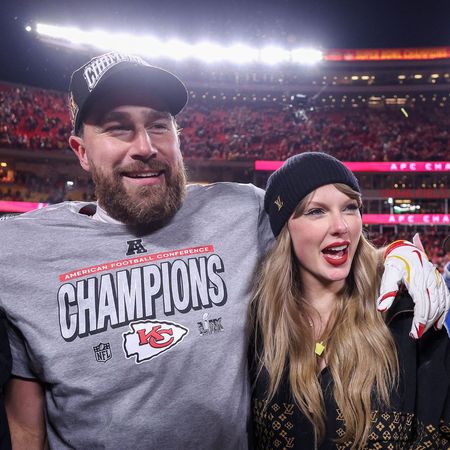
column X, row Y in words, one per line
column 148, row 339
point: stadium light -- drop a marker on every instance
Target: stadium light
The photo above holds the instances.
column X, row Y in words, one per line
column 274, row 55
column 208, row 52
column 120, row 42
column 53, row 31
column 241, row 54
column 149, row 46
column 104, row 41
column 306, row 56
column 176, row 49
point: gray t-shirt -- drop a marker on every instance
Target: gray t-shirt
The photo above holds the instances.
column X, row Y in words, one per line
column 140, row 341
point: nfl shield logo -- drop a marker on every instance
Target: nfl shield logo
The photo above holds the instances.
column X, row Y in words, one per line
column 102, row 352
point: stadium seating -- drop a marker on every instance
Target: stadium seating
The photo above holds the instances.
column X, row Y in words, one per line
column 36, row 119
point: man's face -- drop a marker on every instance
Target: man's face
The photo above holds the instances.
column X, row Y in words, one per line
column 134, row 157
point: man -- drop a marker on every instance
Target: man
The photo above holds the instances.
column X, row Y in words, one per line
column 128, row 317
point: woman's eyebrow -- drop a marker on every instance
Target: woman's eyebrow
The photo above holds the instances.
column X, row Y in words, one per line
column 324, row 203
column 315, row 203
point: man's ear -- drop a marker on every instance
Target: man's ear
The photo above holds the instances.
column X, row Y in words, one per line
column 77, row 145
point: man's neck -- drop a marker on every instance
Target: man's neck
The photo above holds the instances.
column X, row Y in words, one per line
column 102, row 216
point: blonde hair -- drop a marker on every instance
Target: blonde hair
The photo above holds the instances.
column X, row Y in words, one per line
column 361, row 353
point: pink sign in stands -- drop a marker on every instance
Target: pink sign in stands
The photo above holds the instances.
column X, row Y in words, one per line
column 19, row 207
column 407, row 219
column 381, row 166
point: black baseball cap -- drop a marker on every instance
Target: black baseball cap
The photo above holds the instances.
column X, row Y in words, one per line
column 125, row 74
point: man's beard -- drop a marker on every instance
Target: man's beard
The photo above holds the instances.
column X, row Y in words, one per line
column 147, row 207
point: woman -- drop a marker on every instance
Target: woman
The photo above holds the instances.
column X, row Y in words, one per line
column 328, row 370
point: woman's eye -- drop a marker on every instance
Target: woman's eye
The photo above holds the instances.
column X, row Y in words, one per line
column 314, row 212
column 352, row 207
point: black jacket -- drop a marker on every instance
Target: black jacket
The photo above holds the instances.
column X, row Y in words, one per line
column 419, row 413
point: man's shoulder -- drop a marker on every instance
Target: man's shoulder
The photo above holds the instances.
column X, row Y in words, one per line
column 46, row 213
column 226, row 189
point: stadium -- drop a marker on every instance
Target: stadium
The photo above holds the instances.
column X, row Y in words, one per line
column 231, row 232
column 384, row 110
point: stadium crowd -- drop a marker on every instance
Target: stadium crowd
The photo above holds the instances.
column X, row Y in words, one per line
column 33, row 118
column 269, row 132
column 431, row 237
column 37, row 119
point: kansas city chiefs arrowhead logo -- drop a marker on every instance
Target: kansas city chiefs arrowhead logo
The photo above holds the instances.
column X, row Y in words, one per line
column 148, row 339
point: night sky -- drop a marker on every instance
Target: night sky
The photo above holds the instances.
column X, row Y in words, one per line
column 326, row 24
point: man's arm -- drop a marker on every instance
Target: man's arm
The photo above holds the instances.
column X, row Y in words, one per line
column 408, row 264
column 24, row 401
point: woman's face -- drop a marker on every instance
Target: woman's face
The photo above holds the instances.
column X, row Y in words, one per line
column 325, row 237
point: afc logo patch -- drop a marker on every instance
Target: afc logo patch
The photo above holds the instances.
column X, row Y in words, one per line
column 148, row 339
column 135, row 246
column 102, row 352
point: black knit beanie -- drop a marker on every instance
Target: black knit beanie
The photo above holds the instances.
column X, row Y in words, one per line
column 300, row 175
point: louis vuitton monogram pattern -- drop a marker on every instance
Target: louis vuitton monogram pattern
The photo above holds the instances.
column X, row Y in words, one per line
column 274, row 425
column 274, row 429
column 430, row 437
column 389, row 431
column 445, row 430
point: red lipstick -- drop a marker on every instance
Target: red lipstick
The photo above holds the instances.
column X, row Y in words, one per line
column 336, row 253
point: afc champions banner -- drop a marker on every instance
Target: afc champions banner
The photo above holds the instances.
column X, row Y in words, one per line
column 379, row 166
